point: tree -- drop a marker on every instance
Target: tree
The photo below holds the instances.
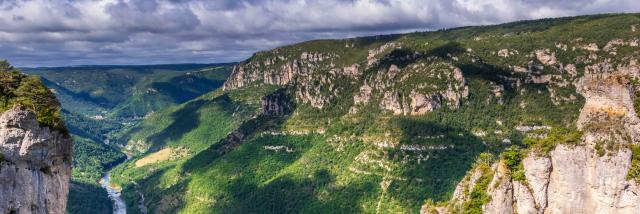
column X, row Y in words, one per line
column 5, row 66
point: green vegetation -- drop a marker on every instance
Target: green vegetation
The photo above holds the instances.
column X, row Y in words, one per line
column 634, row 171
column 29, row 92
column 99, row 101
column 195, row 124
column 557, row 136
column 89, row 163
column 91, row 159
column 107, row 86
column 323, row 160
column 478, row 195
column 96, row 130
column 88, row 197
column 166, row 89
column 227, row 158
column 512, row 157
column 128, row 91
column 183, row 126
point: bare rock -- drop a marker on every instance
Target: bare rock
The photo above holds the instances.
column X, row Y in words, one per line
column 520, row 69
column 364, row 95
column 421, row 104
column 537, row 170
column 593, row 184
column 540, row 79
column 351, row 70
column 503, row 53
column 461, row 193
column 571, row 69
column 391, row 101
column 593, row 47
column 545, row 57
column 501, row 191
column 524, row 200
column 36, row 165
column 611, row 45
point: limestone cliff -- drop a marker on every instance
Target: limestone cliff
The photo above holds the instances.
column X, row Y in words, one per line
column 35, row 165
column 587, row 177
column 544, row 109
column 382, row 79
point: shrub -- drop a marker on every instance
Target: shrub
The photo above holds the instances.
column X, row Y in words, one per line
column 478, row 195
column 512, row 157
column 557, row 136
column 29, row 91
column 634, row 171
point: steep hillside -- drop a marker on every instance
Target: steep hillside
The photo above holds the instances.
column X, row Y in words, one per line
column 172, row 138
column 99, row 101
column 35, row 147
column 130, row 90
column 160, row 91
column 445, row 121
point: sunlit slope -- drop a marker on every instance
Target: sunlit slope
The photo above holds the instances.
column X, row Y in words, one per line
column 381, row 124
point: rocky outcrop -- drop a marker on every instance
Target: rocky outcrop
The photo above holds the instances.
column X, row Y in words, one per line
column 305, row 74
column 545, row 57
column 576, row 178
column 372, row 58
column 277, row 104
column 501, row 191
column 595, row 184
column 35, row 165
column 316, row 79
column 524, row 201
column 421, row 104
column 537, row 170
column 449, row 90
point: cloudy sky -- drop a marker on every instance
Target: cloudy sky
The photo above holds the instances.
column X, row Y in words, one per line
column 77, row 32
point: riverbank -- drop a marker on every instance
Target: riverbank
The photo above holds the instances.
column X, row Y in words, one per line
column 119, row 206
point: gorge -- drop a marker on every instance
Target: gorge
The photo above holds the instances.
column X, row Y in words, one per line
column 535, row 116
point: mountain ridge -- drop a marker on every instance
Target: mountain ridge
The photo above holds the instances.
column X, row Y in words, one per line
column 401, row 124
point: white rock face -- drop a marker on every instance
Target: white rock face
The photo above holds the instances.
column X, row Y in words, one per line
column 501, row 191
column 592, row 184
column 524, row 200
column 575, row 178
column 36, row 168
column 421, row 104
column 545, row 57
column 537, row 170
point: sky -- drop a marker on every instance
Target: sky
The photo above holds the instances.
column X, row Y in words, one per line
column 82, row 32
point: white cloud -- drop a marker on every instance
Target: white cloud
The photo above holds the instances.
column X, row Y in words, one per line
column 64, row 32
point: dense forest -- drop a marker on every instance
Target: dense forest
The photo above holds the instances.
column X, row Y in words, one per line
column 336, row 152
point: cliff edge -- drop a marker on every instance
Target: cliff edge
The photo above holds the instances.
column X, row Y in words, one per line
column 35, row 164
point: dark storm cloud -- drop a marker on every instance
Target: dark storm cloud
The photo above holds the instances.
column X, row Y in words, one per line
column 67, row 32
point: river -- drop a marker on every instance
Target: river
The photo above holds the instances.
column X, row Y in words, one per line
column 119, row 207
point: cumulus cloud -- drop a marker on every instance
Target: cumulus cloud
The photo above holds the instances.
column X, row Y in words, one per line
column 71, row 32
